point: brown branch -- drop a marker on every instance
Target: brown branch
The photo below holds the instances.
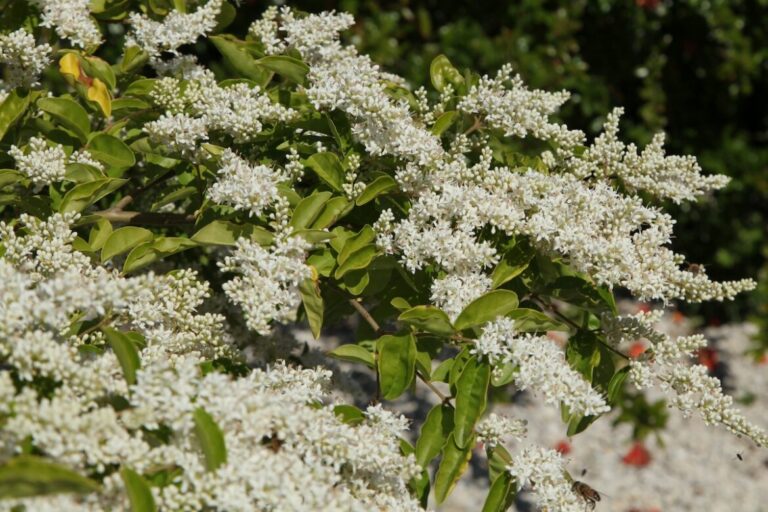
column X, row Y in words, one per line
column 146, row 218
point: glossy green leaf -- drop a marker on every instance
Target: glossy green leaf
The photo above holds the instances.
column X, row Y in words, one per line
column 349, row 414
column 13, row 108
column 443, row 371
column 99, row 234
column 531, row 320
column 126, row 352
column 428, row 318
column 353, row 353
column 616, row 384
column 309, row 209
column 471, row 398
column 211, row 439
column 313, row 305
column 133, row 59
column 498, row 460
column 10, row 177
column 444, row 122
column 328, row 168
column 123, row 240
column 288, row 67
column 237, row 56
column 504, row 376
column 377, row 187
column 332, row 211
column 27, row 475
column 222, row 232
column 69, row 114
column 442, row 73
column 85, row 194
column 513, row 263
column 81, row 173
column 313, row 236
column 111, row 151
column 396, row 364
column 355, row 242
column 139, row 493
column 149, row 252
column 501, row 494
column 434, row 433
column 357, row 260
column 486, row 308
column 453, row 464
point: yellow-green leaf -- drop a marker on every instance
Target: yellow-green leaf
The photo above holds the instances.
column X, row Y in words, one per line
column 139, row 493
column 27, row 476
column 124, row 239
column 396, row 364
column 453, row 464
column 211, row 439
column 486, row 308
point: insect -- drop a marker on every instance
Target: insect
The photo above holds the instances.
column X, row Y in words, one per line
column 695, row 268
column 588, row 494
column 739, row 456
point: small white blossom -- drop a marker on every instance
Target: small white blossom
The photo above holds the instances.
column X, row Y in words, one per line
column 71, row 19
column 24, row 60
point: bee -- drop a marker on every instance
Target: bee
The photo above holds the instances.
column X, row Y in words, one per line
column 588, row 494
column 695, row 268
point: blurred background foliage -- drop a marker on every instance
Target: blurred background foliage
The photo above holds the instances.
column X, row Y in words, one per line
column 696, row 69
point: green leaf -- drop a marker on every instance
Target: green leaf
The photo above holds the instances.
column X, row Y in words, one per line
column 444, row 122
column 501, row 494
column 313, row 305
column 471, row 398
column 85, row 194
column 123, row 240
column 357, row 260
column 512, row 264
column 69, row 114
column 111, row 151
column 99, row 234
column 396, row 364
column 211, row 439
column 442, row 73
column 292, row 69
column 353, row 353
column 222, row 232
column 349, row 414
column 138, row 491
column 27, row 476
column 313, row 236
column 126, row 352
column 616, row 384
column 486, row 308
column 443, row 371
column 453, row 464
column 505, row 376
column 81, row 173
column 13, row 108
column 530, row 320
column 355, row 242
column 428, row 318
column 377, row 187
column 332, row 211
column 149, row 252
column 434, row 434
column 328, row 168
column 498, row 460
column 134, row 58
column 309, row 209
column 10, row 177
column 235, row 54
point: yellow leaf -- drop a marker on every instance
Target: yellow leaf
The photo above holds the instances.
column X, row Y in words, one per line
column 70, row 65
column 98, row 92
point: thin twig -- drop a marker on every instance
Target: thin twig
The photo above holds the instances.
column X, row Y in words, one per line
column 146, row 218
column 376, row 327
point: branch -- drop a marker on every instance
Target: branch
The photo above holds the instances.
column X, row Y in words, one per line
column 146, row 218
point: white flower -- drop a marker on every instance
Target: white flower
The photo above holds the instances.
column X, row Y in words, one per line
column 251, row 188
column 71, row 19
column 176, row 29
column 266, row 286
column 454, row 292
column 24, row 60
column 43, row 164
column 179, row 132
column 542, row 470
column 494, row 429
column 541, row 367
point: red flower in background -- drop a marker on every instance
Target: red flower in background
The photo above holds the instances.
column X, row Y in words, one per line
column 636, row 349
column 638, row 456
column 563, row 447
column 708, row 357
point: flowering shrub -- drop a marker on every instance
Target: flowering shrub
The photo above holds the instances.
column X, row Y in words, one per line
column 164, row 219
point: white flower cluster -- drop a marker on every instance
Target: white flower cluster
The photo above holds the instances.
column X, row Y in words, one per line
column 541, row 367
column 495, row 429
column 244, row 186
column 71, row 19
column 176, row 29
column 454, row 292
column 24, row 60
column 266, row 286
column 285, row 451
column 677, row 178
column 694, row 389
column 543, row 471
column 517, row 110
column 43, row 164
column 181, row 133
